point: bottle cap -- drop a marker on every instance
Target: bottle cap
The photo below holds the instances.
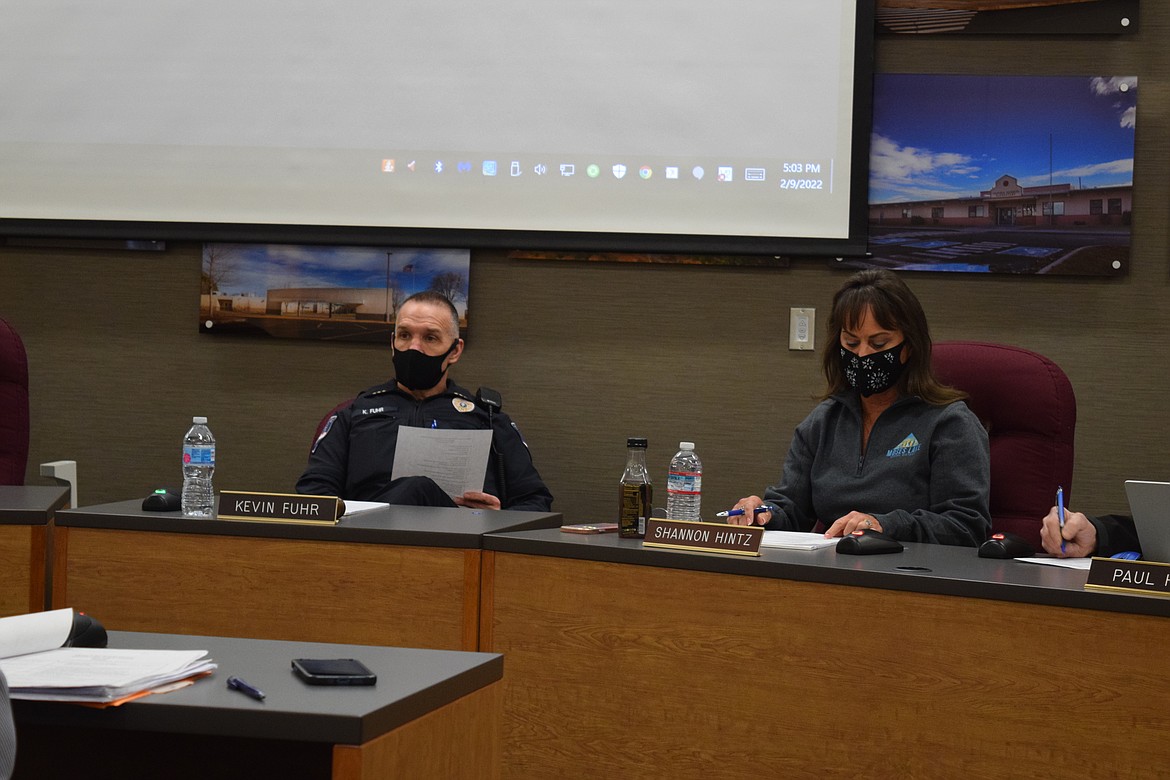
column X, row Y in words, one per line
column 686, row 445
column 199, row 420
column 636, row 441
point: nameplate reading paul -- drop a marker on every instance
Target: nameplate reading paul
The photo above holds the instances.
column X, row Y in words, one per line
column 279, row 508
column 1148, row 577
column 703, row 537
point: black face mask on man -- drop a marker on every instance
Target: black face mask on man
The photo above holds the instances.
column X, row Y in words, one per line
column 418, row 370
column 875, row 372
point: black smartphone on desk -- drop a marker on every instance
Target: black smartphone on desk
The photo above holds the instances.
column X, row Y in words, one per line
column 333, row 671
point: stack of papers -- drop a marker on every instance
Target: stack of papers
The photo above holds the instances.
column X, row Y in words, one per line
column 103, row 675
column 39, row 668
column 796, row 540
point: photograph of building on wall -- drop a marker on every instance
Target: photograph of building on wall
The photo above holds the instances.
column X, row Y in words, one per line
column 999, row 17
column 339, row 293
column 1002, row 174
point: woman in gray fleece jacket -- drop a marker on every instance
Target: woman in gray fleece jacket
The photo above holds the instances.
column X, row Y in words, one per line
column 889, row 448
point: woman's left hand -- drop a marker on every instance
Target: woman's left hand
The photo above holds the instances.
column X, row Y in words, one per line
column 854, row 521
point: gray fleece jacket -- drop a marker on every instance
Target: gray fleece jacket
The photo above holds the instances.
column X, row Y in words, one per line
column 925, row 474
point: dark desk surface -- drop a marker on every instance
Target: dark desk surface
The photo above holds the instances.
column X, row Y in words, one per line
column 29, row 504
column 411, row 683
column 418, row 525
column 922, row 568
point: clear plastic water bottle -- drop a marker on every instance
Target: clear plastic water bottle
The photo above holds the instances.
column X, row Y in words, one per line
column 198, row 466
column 684, row 484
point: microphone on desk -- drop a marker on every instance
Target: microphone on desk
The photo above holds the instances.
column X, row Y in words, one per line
column 86, row 632
column 1006, row 545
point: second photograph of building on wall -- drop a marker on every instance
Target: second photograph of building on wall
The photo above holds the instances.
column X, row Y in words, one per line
column 1002, row 174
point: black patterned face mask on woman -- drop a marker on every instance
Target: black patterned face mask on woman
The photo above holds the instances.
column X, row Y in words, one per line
column 874, row 373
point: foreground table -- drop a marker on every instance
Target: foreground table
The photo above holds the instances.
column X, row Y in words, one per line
column 929, row 663
column 25, row 512
column 406, row 576
column 431, row 714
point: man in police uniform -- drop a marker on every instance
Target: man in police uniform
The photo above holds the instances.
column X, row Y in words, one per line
column 353, row 456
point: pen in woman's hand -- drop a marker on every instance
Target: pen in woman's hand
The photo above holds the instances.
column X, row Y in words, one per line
column 738, row 512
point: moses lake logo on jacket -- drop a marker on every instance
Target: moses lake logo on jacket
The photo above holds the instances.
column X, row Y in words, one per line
column 907, row 446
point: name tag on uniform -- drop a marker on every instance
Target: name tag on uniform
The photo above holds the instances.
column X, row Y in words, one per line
column 280, row 508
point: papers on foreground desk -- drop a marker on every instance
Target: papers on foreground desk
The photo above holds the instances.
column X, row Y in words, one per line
column 39, row 668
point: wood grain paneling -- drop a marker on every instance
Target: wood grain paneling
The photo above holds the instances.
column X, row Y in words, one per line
column 269, row 588
column 639, row 671
column 459, row 741
column 22, row 569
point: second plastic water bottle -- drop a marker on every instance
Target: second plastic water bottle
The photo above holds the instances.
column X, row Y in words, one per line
column 684, row 484
column 198, row 466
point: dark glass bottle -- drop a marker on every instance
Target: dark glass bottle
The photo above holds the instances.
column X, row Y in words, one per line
column 637, row 494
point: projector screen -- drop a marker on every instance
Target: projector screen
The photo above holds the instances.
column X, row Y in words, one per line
column 636, row 125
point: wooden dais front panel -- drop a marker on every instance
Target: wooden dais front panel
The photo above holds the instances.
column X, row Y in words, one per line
column 639, row 671
column 289, row 589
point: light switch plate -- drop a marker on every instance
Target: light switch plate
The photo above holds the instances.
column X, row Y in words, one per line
column 802, row 327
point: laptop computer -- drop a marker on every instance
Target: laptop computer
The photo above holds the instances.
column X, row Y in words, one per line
column 1149, row 502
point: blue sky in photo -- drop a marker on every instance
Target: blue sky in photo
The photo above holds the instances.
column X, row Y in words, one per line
column 256, row 268
column 941, row 137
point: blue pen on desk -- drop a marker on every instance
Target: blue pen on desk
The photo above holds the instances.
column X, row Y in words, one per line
column 236, row 684
column 1060, row 513
column 738, row 512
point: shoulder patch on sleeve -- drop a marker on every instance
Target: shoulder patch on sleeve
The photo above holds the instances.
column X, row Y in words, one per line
column 516, row 428
column 324, row 432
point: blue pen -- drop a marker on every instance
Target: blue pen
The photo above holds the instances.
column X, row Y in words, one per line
column 236, row 684
column 738, row 512
column 434, row 423
column 1060, row 513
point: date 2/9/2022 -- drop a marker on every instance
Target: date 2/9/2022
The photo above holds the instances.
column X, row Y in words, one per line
column 802, row 184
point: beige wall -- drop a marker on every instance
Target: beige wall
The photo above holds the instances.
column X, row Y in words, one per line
column 587, row 354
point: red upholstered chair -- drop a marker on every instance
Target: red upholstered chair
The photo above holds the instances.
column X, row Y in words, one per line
column 1027, row 405
column 13, row 407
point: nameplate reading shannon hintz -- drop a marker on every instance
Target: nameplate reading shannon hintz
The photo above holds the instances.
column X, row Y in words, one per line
column 279, row 508
column 703, row 537
column 1148, row 577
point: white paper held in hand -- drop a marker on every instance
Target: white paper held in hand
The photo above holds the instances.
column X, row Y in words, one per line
column 455, row 459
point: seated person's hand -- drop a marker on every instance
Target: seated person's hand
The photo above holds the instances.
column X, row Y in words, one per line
column 1080, row 536
column 854, row 521
column 750, row 516
column 477, row 500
